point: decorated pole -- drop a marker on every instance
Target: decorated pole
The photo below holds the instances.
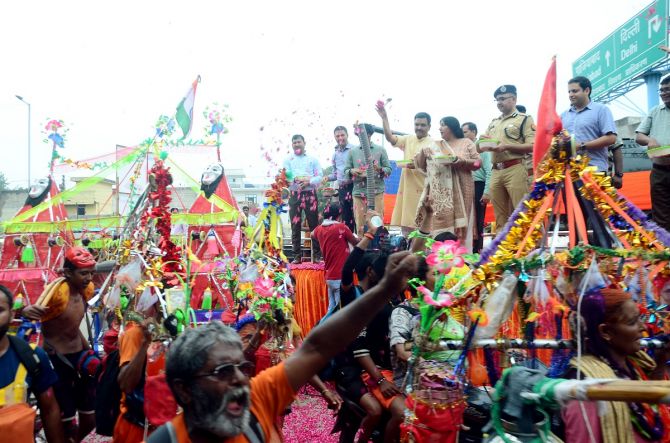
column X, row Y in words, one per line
column 217, row 116
column 57, row 141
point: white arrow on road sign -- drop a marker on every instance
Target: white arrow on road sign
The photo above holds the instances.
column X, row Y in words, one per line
column 607, row 57
column 654, row 23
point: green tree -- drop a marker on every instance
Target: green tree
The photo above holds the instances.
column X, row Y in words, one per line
column 4, row 183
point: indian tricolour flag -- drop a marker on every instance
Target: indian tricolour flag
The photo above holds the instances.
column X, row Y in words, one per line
column 184, row 114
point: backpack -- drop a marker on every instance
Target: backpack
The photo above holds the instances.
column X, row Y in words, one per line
column 108, row 395
column 18, row 418
column 16, row 392
column 166, row 433
column 27, row 355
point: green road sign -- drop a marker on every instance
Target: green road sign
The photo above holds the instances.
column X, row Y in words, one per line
column 627, row 52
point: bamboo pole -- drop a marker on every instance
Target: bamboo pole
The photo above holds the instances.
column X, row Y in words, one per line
column 491, row 343
column 629, row 391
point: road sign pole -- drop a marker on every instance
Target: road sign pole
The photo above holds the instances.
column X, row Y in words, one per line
column 652, row 80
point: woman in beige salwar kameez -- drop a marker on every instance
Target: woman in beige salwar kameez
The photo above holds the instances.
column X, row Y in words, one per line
column 449, row 187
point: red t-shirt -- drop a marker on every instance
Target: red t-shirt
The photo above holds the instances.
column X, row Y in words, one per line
column 334, row 240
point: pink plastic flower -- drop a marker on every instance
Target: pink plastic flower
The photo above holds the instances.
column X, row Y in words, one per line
column 425, row 291
column 264, row 287
column 444, row 299
column 53, row 125
column 446, row 255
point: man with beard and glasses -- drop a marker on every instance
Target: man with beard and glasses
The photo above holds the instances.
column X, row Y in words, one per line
column 61, row 309
column 14, row 372
column 209, row 375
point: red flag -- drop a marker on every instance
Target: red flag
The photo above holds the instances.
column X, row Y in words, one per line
column 548, row 121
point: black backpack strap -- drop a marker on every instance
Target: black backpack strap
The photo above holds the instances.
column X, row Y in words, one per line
column 27, row 356
column 163, row 434
column 254, row 431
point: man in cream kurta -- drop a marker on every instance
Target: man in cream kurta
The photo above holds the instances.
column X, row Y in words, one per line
column 411, row 181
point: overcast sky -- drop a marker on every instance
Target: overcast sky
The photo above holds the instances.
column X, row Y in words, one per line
column 109, row 69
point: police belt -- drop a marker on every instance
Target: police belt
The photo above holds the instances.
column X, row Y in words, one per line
column 506, row 164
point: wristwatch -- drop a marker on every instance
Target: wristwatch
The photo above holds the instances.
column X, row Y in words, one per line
column 619, row 174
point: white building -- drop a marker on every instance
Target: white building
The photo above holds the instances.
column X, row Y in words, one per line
column 250, row 194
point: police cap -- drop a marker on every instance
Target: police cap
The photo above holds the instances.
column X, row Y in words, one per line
column 505, row 89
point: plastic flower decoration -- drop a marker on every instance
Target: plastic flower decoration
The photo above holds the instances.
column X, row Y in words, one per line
column 218, row 118
column 425, row 291
column 443, row 300
column 53, row 125
column 264, row 287
column 165, row 126
column 446, row 255
column 244, row 292
column 476, row 314
column 51, row 131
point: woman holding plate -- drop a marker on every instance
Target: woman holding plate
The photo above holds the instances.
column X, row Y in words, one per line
column 449, row 188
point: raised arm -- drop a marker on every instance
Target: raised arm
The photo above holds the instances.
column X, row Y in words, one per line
column 132, row 369
column 381, row 110
column 332, row 336
column 354, row 257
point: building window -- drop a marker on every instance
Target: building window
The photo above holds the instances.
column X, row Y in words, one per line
column 251, row 199
column 81, row 210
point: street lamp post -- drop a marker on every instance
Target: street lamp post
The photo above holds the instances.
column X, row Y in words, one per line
column 21, row 99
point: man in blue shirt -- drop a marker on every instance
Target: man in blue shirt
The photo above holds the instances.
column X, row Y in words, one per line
column 305, row 175
column 344, row 183
column 40, row 386
column 593, row 127
column 591, row 123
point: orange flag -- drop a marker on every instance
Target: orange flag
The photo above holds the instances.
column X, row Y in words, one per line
column 548, row 121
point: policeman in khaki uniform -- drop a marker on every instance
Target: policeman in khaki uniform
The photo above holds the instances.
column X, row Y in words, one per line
column 512, row 172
